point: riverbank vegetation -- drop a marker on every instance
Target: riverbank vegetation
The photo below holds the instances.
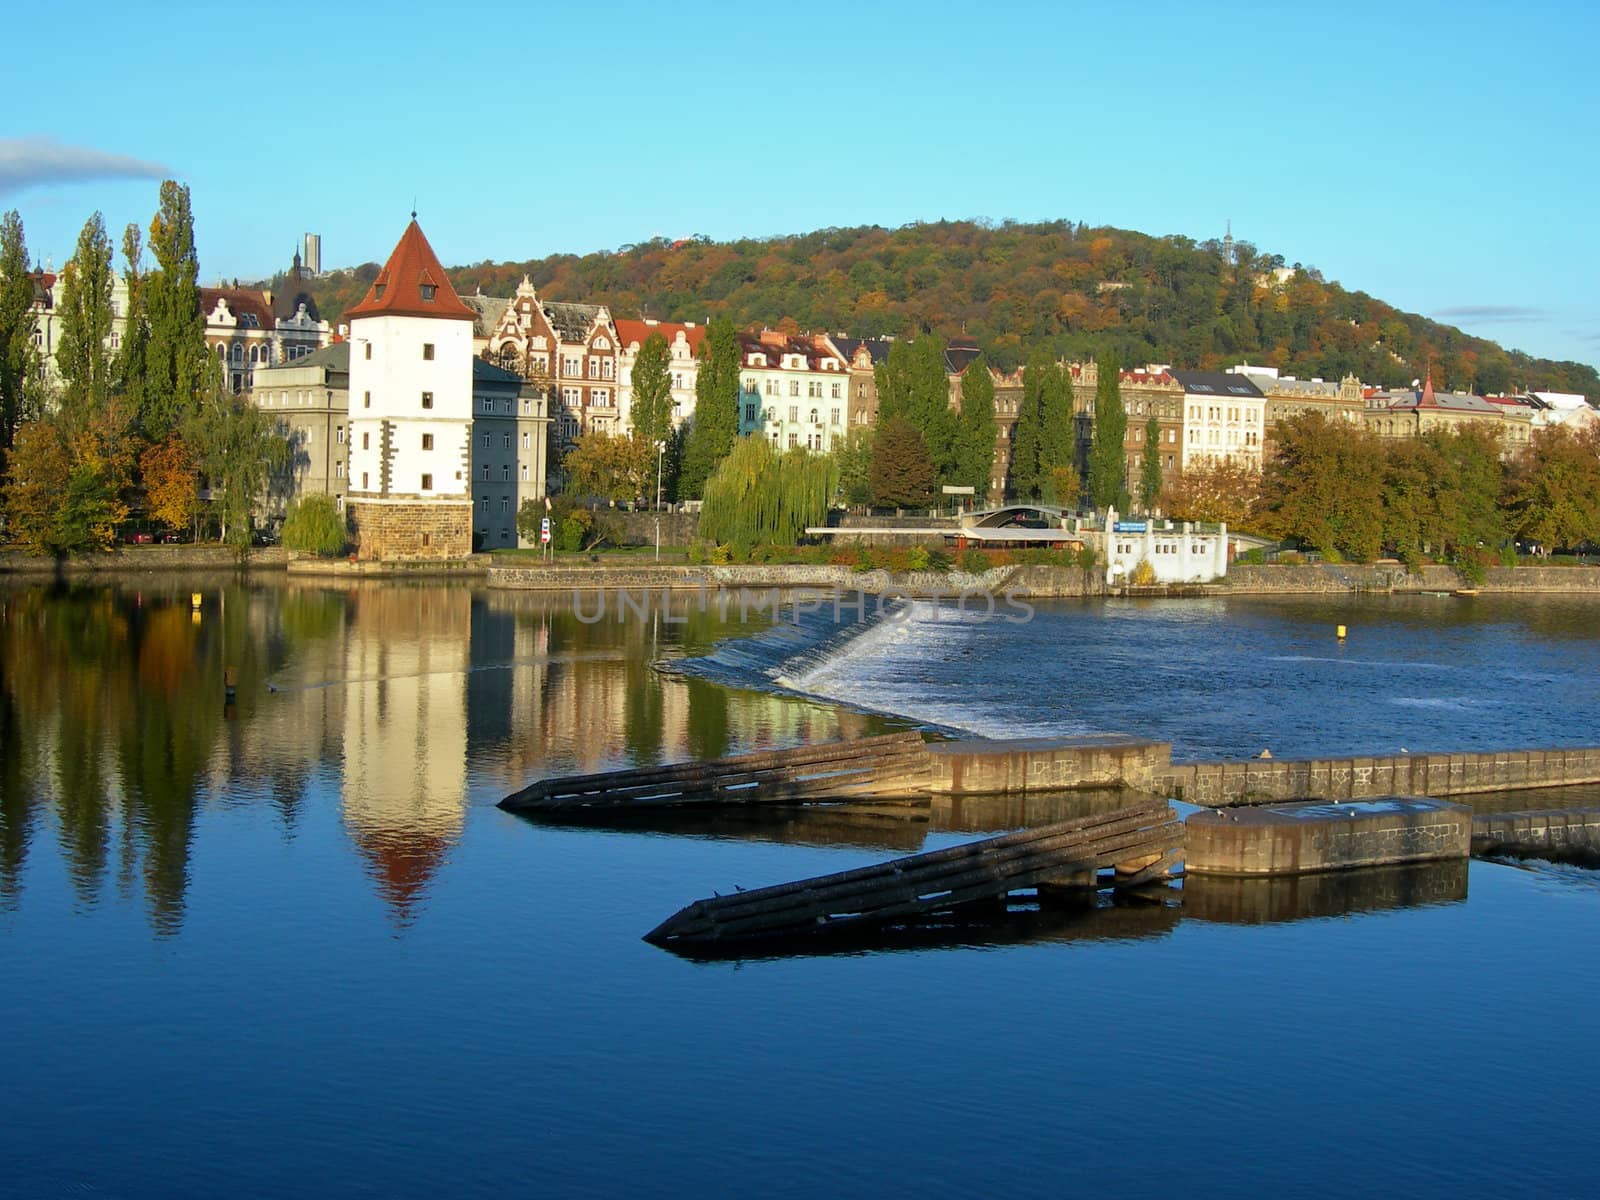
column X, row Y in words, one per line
column 138, row 424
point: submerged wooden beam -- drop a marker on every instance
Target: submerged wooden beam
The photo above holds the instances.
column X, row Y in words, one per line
column 930, row 883
column 895, row 764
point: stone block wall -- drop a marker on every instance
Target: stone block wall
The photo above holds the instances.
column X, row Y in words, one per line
column 403, row 531
column 982, row 767
column 1256, row 782
column 1342, row 578
column 1560, row 832
column 1293, row 839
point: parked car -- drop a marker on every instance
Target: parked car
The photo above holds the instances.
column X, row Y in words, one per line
column 142, row 537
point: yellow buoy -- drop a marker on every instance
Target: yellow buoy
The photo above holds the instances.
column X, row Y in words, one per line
column 194, row 599
column 1339, row 632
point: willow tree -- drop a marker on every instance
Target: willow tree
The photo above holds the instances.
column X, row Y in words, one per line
column 759, row 497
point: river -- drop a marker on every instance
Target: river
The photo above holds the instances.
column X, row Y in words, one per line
column 288, row 945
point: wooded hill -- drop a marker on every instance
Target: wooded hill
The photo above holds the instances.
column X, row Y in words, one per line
column 1013, row 286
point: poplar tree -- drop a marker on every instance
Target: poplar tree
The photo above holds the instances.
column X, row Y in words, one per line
column 975, row 429
column 1027, row 435
column 85, row 312
column 1058, row 476
column 128, row 366
column 176, row 357
column 716, row 407
column 651, row 411
column 1150, row 471
column 17, row 355
column 1107, row 464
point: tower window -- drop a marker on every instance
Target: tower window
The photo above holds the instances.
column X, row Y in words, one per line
column 377, row 294
column 427, row 441
column 427, row 291
column 427, row 351
column 369, row 350
column 366, row 400
column 427, row 399
column 427, row 483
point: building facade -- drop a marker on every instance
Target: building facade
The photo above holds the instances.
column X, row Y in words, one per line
column 570, row 349
column 309, row 399
column 1224, row 417
column 683, row 368
column 792, row 390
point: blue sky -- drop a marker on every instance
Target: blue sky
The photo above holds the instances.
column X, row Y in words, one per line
column 1440, row 156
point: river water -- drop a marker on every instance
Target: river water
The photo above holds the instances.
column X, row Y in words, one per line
column 288, row 945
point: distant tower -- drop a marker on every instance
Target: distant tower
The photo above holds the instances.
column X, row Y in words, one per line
column 1227, row 244
column 314, row 253
column 411, row 410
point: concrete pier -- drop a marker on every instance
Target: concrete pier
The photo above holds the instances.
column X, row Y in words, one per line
column 1295, row 839
column 979, row 766
column 1269, row 899
column 1558, row 833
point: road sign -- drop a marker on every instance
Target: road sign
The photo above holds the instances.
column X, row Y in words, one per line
column 544, row 531
column 950, row 490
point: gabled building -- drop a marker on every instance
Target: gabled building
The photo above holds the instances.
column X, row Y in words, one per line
column 570, row 349
column 683, row 368
column 792, row 389
column 861, row 357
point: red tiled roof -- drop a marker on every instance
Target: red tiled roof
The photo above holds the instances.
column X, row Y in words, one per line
column 397, row 291
column 240, row 301
column 630, row 332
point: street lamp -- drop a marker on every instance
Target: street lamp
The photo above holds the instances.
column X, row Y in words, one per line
column 661, row 454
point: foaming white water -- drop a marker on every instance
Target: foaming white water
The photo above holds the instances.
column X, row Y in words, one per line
column 892, row 669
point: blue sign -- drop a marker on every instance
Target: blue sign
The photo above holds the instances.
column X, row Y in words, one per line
column 1129, row 527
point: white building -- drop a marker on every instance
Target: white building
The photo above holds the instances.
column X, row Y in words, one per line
column 1224, row 417
column 793, row 390
column 1178, row 553
column 683, row 345
column 411, row 391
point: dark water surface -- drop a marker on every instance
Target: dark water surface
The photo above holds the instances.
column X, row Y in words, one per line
column 291, row 948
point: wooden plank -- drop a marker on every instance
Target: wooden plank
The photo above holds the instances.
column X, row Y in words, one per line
column 931, row 882
column 894, row 764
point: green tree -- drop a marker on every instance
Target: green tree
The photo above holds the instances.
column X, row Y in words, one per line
column 716, row 407
column 1150, row 469
column 82, row 356
column 1324, row 486
column 903, row 474
column 975, row 430
column 314, row 525
column 17, row 356
column 128, row 365
column 177, row 364
column 69, row 474
column 1057, row 451
column 1553, row 495
column 1107, row 461
column 651, row 412
column 620, row 468
column 852, row 454
column 1029, row 477
column 758, row 497
column 236, row 447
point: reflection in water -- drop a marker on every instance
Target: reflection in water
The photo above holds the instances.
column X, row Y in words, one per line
column 113, row 728
column 405, row 734
column 996, row 814
column 1066, row 920
column 1241, row 901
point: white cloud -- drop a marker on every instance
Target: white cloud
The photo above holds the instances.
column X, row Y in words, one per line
column 30, row 162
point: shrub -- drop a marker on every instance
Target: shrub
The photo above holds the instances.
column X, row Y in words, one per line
column 917, row 558
column 974, row 562
column 314, row 525
column 1087, row 558
column 1254, row 557
column 1144, row 574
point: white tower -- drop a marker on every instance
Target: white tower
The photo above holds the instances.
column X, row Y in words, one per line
column 411, row 410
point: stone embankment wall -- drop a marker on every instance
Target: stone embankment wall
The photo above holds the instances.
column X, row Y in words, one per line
column 1328, row 578
column 680, row 528
column 473, row 566
column 1259, row 781
column 143, row 559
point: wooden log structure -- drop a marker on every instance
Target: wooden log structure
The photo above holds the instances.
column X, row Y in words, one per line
column 894, row 765
column 935, row 882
